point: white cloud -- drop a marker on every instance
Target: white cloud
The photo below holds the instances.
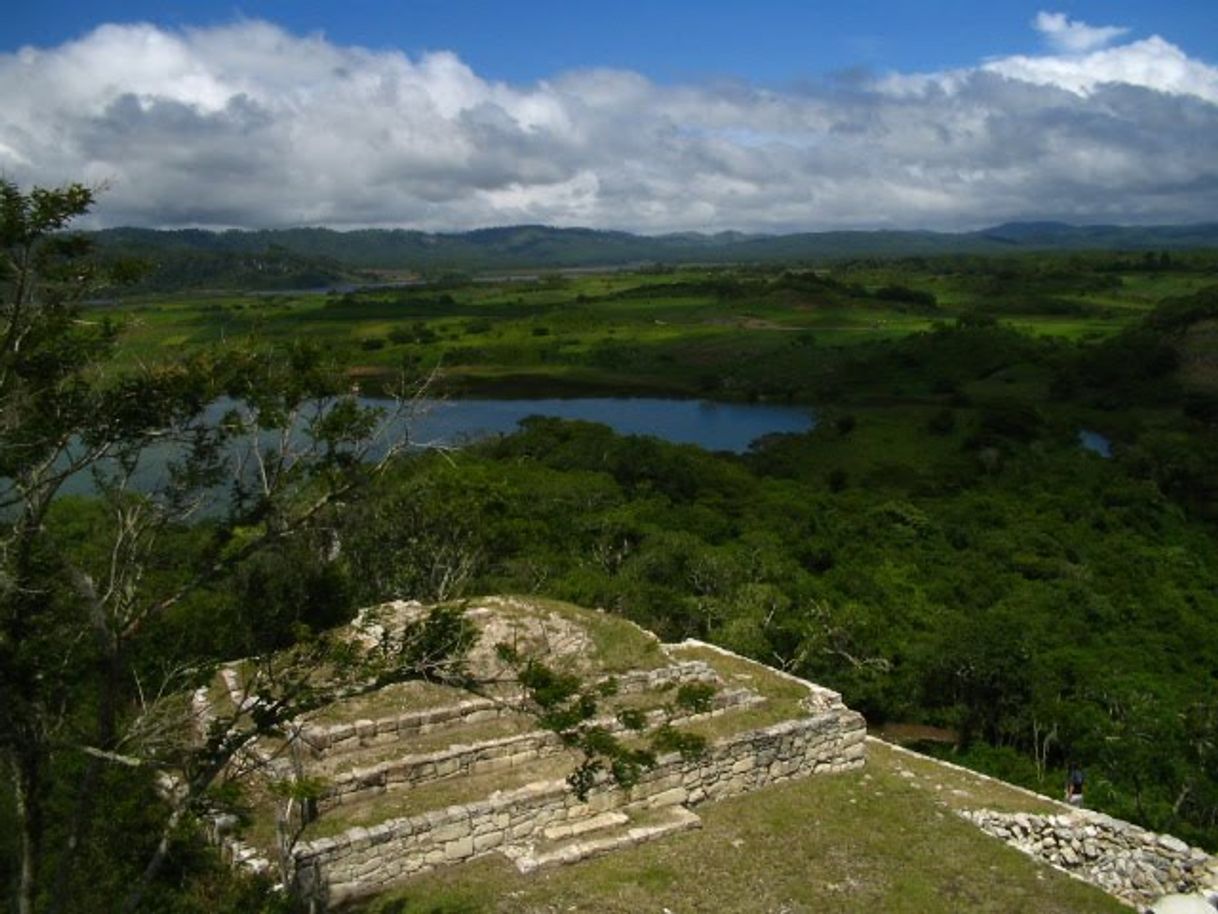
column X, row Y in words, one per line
column 1152, row 64
column 1073, row 36
column 249, row 125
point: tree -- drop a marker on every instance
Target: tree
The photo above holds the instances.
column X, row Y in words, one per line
column 79, row 698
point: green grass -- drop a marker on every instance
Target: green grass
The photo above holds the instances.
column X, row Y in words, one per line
column 737, row 672
column 625, row 332
column 782, row 696
column 876, row 839
column 397, row 698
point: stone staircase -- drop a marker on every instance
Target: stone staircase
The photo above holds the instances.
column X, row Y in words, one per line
column 600, row 834
column 417, row 776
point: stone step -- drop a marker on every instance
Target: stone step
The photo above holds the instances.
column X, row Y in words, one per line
column 452, row 737
column 578, row 827
column 379, row 768
column 601, row 834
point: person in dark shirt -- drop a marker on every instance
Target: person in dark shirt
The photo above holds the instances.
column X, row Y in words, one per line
column 1074, row 786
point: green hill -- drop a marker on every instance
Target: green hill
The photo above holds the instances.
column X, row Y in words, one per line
column 302, row 257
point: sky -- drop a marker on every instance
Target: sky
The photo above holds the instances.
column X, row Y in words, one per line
column 772, row 116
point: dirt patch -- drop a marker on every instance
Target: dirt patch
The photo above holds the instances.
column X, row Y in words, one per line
column 902, row 734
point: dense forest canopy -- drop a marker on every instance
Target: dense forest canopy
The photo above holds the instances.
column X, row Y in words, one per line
column 939, row 547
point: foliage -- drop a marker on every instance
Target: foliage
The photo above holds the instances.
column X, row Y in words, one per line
column 100, row 616
column 695, row 697
column 572, row 708
column 1004, row 604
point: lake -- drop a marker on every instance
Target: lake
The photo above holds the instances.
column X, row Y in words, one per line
column 714, row 426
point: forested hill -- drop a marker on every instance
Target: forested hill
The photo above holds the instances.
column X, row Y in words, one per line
column 269, row 257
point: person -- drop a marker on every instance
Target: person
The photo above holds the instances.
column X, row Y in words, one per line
column 1074, row 786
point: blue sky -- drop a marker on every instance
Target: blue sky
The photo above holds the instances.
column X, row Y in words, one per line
column 764, row 41
column 769, row 116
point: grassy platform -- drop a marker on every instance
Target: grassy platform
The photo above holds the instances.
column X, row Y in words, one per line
column 880, row 839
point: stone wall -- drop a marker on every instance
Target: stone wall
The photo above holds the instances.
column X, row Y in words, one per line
column 324, row 740
column 364, row 861
column 489, row 755
column 320, row 740
column 1124, row 860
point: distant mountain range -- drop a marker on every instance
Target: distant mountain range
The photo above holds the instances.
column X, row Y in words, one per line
column 274, row 257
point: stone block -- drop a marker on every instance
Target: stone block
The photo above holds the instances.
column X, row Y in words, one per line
column 487, row 841
column 670, row 797
column 1173, row 844
column 451, row 831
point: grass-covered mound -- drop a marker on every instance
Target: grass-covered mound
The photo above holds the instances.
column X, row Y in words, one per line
column 884, row 838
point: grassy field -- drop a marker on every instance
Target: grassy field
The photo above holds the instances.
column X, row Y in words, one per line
column 883, row 838
column 728, row 334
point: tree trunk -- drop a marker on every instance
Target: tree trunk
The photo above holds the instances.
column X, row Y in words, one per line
column 136, row 895
column 78, row 831
column 26, row 793
column 82, row 814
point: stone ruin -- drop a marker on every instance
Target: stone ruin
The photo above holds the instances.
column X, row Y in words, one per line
column 1131, row 863
column 417, row 775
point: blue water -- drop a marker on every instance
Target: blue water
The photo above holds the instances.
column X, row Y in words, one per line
column 714, row 426
column 1094, row 442
column 451, row 423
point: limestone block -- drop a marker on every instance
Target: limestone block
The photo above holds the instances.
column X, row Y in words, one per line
column 600, row 802
column 482, row 825
column 487, row 841
column 672, row 797
column 1173, row 844
column 452, row 831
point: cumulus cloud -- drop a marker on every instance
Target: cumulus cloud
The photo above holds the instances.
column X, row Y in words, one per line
column 248, row 125
column 1152, row 64
column 1074, row 36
